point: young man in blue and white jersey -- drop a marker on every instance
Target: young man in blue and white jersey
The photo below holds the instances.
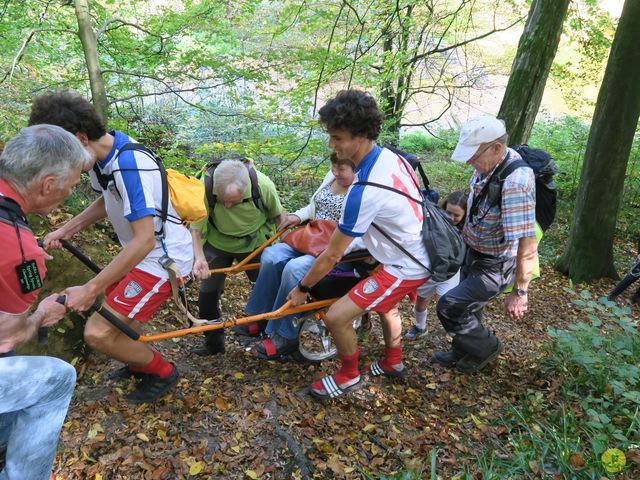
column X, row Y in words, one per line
column 135, row 283
column 353, row 122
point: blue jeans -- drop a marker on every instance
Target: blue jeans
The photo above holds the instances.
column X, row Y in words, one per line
column 34, row 397
column 281, row 268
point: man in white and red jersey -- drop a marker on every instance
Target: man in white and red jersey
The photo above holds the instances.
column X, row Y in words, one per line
column 135, row 283
column 353, row 121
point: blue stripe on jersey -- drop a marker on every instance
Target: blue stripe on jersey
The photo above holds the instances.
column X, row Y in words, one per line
column 353, row 201
column 131, row 178
column 119, row 140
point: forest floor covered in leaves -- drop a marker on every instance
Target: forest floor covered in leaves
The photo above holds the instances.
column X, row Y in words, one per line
column 236, row 416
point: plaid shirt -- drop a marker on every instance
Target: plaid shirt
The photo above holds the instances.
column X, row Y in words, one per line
column 496, row 230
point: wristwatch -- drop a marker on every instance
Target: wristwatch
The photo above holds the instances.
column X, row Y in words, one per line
column 520, row 292
column 303, row 288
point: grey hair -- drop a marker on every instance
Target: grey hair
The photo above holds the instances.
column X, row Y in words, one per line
column 39, row 151
column 504, row 139
column 230, row 172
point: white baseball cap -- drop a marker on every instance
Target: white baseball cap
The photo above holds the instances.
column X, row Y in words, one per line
column 474, row 133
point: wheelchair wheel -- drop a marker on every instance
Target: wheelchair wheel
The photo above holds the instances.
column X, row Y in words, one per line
column 315, row 343
column 314, row 340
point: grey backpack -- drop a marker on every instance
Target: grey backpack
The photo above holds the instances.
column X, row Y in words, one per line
column 441, row 238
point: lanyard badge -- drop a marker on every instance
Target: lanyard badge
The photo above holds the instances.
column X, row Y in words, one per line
column 29, row 276
column 27, row 271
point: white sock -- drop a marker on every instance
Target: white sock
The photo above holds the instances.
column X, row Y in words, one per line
column 421, row 318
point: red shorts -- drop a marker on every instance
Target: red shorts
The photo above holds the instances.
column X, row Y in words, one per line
column 138, row 294
column 382, row 291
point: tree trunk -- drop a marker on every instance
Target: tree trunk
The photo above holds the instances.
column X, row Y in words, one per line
column 393, row 92
column 589, row 252
column 536, row 51
column 388, row 97
column 90, row 47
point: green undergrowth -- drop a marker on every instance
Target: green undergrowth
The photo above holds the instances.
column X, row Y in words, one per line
column 589, row 412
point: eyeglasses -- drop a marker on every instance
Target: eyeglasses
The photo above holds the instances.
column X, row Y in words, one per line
column 480, row 153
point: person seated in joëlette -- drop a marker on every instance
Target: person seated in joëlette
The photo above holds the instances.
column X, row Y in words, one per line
column 282, row 266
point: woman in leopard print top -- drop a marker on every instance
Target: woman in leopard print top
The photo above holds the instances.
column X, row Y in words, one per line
column 282, row 267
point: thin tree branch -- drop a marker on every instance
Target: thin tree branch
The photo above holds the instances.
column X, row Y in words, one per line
column 319, row 82
column 122, row 23
column 421, row 56
column 24, row 46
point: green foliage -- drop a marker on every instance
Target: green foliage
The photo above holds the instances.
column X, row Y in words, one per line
column 600, row 357
column 422, row 144
column 565, row 138
column 580, row 64
column 413, row 473
column 595, row 361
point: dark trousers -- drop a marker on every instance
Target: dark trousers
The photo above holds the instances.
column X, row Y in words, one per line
column 211, row 289
column 482, row 278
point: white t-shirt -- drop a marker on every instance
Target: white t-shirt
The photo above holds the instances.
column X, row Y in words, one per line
column 398, row 216
column 136, row 192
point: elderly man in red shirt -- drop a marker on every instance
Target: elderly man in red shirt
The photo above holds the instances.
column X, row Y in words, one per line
column 38, row 169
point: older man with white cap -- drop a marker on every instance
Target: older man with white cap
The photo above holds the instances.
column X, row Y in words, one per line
column 501, row 238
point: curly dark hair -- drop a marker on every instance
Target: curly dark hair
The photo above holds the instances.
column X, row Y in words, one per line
column 352, row 110
column 69, row 110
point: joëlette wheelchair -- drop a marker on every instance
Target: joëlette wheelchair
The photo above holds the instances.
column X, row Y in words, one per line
column 315, row 343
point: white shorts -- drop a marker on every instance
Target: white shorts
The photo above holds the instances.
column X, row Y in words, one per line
column 430, row 288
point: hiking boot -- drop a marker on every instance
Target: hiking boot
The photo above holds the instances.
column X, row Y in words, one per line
column 416, row 332
column 470, row 363
column 152, row 387
column 213, row 344
column 123, row 373
column 447, row 359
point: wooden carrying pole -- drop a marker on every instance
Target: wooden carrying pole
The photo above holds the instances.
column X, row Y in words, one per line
column 284, row 310
column 244, row 264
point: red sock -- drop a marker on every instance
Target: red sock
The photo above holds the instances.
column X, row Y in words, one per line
column 392, row 356
column 349, row 369
column 157, row 366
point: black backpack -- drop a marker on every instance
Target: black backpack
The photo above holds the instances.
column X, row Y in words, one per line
column 428, row 192
column 544, row 168
column 11, row 212
column 440, row 237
